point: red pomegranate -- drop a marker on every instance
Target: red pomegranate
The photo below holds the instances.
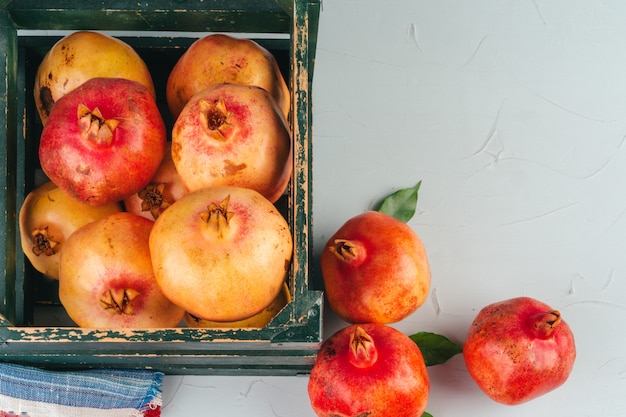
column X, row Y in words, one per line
column 233, row 135
column 369, row 370
column 103, row 141
column 375, row 269
column 519, row 349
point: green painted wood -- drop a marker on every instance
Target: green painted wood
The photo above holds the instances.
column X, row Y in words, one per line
column 246, row 16
column 5, row 46
column 279, row 349
column 288, row 345
column 302, row 188
column 22, row 165
column 4, row 322
column 8, row 172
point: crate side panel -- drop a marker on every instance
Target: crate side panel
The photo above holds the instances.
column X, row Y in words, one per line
column 194, row 16
column 8, row 143
column 301, row 191
column 179, row 351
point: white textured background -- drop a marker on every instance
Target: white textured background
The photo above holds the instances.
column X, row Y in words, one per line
column 513, row 114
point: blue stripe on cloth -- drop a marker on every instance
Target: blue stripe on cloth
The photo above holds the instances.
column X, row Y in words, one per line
column 95, row 388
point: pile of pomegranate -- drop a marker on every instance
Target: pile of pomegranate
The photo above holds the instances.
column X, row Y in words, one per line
column 148, row 226
column 376, row 272
column 143, row 231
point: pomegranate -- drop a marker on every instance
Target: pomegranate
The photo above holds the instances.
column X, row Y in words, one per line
column 232, row 134
column 519, row 349
column 47, row 218
column 81, row 56
column 375, row 269
column 221, row 253
column 103, row 141
column 106, row 278
column 369, row 370
column 220, row 58
column 162, row 191
column 259, row 320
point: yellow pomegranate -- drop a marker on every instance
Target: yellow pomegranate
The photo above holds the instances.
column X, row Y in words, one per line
column 259, row 320
column 47, row 218
column 221, row 253
column 81, row 56
column 220, row 58
column 106, row 278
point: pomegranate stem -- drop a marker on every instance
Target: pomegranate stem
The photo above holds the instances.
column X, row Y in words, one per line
column 545, row 323
column 363, row 352
column 344, row 249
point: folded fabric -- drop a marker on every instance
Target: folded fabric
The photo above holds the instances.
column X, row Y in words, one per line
column 32, row 392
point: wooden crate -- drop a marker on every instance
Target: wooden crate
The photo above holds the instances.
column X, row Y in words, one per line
column 159, row 30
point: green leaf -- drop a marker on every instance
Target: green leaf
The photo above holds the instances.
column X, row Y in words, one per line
column 425, row 414
column 435, row 348
column 401, row 204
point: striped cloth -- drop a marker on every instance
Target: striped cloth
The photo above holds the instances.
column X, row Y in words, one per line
column 32, row 392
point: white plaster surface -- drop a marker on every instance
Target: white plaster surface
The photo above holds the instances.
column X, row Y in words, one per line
column 513, row 114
